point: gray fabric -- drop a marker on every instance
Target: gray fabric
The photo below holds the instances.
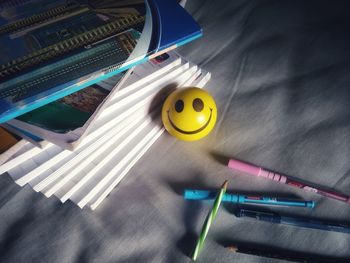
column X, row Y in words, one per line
column 280, row 76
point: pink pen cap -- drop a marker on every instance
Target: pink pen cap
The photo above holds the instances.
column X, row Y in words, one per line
column 256, row 171
column 244, row 167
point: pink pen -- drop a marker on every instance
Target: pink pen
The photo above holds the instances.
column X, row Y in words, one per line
column 258, row 171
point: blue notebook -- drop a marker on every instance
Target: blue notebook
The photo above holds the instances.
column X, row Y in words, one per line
column 52, row 48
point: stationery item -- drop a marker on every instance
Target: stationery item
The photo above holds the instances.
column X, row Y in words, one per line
column 293, row 221
column 55, row 48
column 82, row 159
column 191, row 194
column 123, row 132
column 259, row 171
column 86, row 106
column 118, row 114
column 282, row 254
column 208, row 221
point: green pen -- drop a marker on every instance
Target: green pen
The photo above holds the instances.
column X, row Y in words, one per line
column 208, row 221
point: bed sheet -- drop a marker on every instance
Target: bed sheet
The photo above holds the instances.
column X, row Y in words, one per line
column 280, row 77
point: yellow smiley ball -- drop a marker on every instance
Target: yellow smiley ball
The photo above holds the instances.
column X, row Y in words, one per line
column 189, row 114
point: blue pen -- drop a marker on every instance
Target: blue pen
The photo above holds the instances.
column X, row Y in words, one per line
column 190, row 194
column 294, row 221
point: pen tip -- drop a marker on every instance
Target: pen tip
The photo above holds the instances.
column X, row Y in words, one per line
column 224, row 186
column 232, row 248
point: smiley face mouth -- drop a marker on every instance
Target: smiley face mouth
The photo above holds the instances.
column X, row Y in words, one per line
column 191, row 132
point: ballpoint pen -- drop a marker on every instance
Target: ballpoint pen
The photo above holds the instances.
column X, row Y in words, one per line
column 294, row 221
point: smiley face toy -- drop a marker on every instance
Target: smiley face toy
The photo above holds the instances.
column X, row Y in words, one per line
column 189, row 114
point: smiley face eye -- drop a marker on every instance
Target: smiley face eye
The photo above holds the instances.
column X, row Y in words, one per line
column 179, row 106
column 198, row 105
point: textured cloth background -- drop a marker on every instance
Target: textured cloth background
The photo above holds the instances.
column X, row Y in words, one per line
column 280, row 76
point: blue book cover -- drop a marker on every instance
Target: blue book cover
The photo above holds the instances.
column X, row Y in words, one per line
column 52, row 48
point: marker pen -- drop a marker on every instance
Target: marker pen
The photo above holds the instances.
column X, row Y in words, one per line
column 261, row 172
column 293, row 221
column 192, row 194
